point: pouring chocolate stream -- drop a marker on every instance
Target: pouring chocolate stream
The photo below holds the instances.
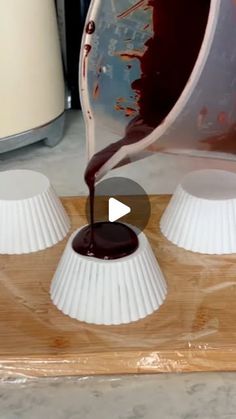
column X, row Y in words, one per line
column 166, row 64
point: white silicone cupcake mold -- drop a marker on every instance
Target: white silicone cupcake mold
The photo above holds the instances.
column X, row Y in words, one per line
column 201, row 215
column 32, row 217
column 108, row 292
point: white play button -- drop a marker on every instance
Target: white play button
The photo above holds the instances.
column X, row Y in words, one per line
column 117, row 210
column 122, row 200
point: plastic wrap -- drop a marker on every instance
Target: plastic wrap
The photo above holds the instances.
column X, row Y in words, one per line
column 194, row 330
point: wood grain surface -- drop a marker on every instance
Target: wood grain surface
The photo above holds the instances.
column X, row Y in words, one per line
column 195, row 330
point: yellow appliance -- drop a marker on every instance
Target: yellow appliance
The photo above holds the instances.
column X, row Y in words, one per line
column 31, row 74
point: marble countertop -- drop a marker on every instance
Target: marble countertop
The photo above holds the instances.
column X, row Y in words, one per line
column 186, row 396
column 190, row 396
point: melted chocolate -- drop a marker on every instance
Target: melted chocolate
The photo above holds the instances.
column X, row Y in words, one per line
column 110, row 241
column 179, row 28
column 166, row 65
column 87, row 49
column 90, row 28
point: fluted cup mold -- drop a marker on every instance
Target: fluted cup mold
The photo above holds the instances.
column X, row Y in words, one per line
column 109, row 292
column 201, row 216
column 32, row 217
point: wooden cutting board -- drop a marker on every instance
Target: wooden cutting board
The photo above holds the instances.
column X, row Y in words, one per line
column 195, row 330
